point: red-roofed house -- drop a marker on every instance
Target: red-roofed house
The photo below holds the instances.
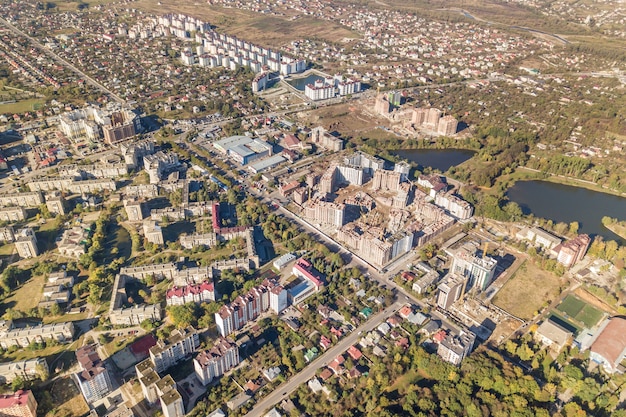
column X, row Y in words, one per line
column 21, row 404
column 337, row 332
column 609, row 348
column 408, row 276
column 405, row 312
column 325, row 342
column 354, row 353
column 393, row 321
column 197, row 293
column 326, row 373
column 337, row 365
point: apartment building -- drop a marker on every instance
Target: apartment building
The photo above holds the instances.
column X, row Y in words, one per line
column 93, row 379
column 454, row 348
column 26, row 243
column 196, row 293
column 12, row 214
column 20, row 404
column 26, row 370
column 30, row 199
column 248, row 307
column 478, row 270
column 326, row 213
column 213, row 363
column 180, row 344
column 61, row 332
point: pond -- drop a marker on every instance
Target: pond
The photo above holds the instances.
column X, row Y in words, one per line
column 565, row 203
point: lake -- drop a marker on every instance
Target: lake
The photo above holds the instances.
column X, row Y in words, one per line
column 565, row 203
column 300, row 83
column 441, row 159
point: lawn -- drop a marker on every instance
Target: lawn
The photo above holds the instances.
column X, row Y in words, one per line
column 575, row 308
column 22, row 106
column 571, row 305
column 528, row 291
column 27, row 296
column 6, row 250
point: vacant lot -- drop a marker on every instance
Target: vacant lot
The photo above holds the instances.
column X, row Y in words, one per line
column 527, row 291
column 262, row 29
column 578, row 310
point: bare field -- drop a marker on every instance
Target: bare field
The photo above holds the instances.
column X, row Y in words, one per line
column 344, row 118
column 268, row 31
column 527, row 291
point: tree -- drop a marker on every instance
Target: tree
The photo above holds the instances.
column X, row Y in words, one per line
column 18, row 383
column 184, row 315
column 573, row 228
column 42, row 372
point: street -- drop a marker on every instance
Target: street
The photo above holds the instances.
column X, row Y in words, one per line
column 284, row 390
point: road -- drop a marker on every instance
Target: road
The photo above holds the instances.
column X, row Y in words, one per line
column 47, row 51
column 284, row 390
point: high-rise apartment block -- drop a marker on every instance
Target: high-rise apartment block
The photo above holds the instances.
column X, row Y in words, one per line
column 212, row 363
column 180, row 344
column 478, row 270
column 93, row 379
column 450, row 290
column 249, row 306
column 454, row 348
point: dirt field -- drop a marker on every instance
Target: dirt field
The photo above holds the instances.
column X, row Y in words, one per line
column 345, row 119
column 527, row 291
column 268, row 31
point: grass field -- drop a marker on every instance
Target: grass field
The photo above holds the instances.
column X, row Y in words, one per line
column 27, row 296
column 22, row 106
column 575, row 308
column 527, row 291
column 6, row 250
column 265, row 30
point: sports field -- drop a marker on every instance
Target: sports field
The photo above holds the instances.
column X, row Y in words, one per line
column 575, row 308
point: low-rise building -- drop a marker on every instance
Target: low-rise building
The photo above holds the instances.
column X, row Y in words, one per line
column 609, row 347
column 73, row 241
column 553, row 335
column 60, row 332
column 12, row 214
column 26, row 370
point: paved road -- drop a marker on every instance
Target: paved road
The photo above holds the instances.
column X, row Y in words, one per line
column 62, row 61
column 307, row 373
